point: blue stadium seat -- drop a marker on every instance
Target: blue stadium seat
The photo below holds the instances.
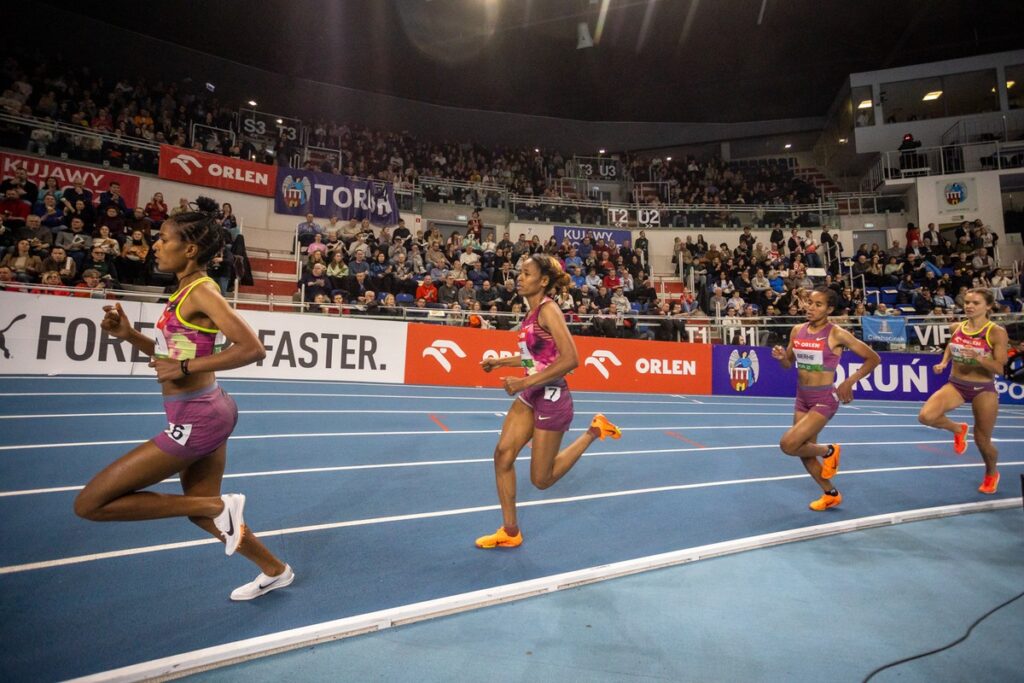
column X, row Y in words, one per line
column 405, row 298
column 890, row 296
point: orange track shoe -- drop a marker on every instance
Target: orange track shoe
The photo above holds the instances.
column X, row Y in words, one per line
column 960, row 440
column 830, row 465
column 500, row 539
column 826, row 501
column 989, row 484
column 605, row 427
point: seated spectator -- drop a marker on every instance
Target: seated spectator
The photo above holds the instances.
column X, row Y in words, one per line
column 358, row 264
column 24, row 266
column 14, row 210
column 49, row 280
column 92, row 285
column 50, row 214
column 112, row 199
column 156, row 209
column 306, row 231
column 337, row 270
column 316, row 282
column 97, row 259
column 427, row 291
column 76, row 242
column 39, row 237
column 59, row 262
column 317, row 245
column 467, row 295
column 132, row 265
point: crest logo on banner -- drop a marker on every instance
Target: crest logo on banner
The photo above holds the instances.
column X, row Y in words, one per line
column 597, row 359
column 296, row 191
column 439, row 348
column 744, row 369
column 955, row 193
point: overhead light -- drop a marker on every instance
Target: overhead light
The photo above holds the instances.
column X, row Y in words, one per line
column 864, row 104
column 601, row 151
column 280, row 121
column 843, row 141
column 252, row 103
column 583, row 39
column 933, row 95
column 536, row 149
column 1010, row 84
column 869, row 225
column 668, row 158
column 787, row 145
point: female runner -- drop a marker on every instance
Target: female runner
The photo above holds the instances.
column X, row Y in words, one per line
column 815, row 347
column 201, row 415
column 978, row 350
column 543, row 410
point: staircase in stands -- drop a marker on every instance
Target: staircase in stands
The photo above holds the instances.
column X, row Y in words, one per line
column 274, row 278
column 810, row 174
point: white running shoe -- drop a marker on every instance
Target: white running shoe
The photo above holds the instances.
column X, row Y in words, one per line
column 264, row 584
column 230, row 522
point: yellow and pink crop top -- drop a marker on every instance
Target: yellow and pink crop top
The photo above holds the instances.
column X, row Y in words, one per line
column 179, row 339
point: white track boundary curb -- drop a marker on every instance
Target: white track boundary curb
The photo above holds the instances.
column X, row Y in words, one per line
column 188, row 663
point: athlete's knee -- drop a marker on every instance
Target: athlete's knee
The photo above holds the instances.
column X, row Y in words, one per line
column 504, row 457
column 87, row 507
column 542, row 481
column 789, row 444
column 926, row 418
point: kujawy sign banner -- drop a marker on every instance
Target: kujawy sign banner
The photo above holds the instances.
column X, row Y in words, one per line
column 325, row 194
column 96, row 180
column 576, row 234
column 214, row 170
column 437, row 354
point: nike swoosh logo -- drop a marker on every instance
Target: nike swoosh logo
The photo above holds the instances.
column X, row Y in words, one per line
column 231, row 523
column 267, row 585
column 543, row 418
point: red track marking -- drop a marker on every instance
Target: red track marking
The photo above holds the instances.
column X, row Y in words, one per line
column 677, row 435
column 438, row 422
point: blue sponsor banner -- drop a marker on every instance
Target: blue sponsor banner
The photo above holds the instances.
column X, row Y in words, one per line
column 1010, row 393
column 884, row 328
column 751, row 371
column 325, row 195
column 575, row 234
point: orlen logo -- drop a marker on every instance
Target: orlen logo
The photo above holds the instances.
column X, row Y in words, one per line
column 597, row 359
column 439, row 348
column 182, row 161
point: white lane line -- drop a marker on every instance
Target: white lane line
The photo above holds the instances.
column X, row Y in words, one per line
column 226, row 654
column 466, row 461
column 434, row 411
column 456, row 432
column 278, row 394
column 78, row 559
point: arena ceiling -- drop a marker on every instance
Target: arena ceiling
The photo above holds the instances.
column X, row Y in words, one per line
column 652, row 60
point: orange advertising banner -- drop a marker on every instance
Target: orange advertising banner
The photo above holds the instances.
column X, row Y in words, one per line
column 438, row 354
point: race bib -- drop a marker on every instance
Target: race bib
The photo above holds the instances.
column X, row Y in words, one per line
column 160, row 349
column 552, row 393
column 178, row 433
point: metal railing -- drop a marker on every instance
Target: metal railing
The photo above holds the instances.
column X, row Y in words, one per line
column 860, row 203
column 928, row 161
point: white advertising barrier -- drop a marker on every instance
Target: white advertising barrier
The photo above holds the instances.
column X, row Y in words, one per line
column 61, row 335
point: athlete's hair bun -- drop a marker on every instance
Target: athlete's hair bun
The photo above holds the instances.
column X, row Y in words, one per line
column 207, row 205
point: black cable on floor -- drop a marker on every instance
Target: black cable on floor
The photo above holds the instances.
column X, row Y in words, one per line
column 944, row 647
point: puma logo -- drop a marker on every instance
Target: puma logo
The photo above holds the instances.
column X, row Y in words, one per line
column 3, row 340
